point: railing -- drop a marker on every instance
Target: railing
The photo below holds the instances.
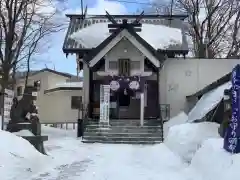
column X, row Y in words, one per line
column 61, row 125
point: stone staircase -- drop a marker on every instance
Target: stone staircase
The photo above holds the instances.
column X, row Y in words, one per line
column 124, row 132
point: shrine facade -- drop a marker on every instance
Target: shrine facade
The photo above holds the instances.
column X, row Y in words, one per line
column 126, row 52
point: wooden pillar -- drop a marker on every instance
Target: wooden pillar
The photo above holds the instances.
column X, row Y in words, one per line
column 158, row 92
column 142, row 108
column 86, row 87
column 91, row 88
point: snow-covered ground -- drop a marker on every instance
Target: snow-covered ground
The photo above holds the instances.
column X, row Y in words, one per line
column 190, row 152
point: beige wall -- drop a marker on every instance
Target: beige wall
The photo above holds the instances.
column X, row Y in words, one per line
column 55, row 106
column 52, row 79
column 59, row 107
column 182, row 77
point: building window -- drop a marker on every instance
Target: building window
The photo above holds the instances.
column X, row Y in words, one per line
column 124, row 67
column 76, row 102
column 37, row 84
column 19, row 90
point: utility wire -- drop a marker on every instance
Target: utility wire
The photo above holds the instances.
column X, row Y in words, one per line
column 141, row 3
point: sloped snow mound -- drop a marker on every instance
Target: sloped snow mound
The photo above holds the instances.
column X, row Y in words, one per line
column 18, row 158
column 185, row 139
column 208, row 102
column 176, row 120
column 215, row 163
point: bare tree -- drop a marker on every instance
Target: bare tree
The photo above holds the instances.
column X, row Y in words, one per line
column 213, row 26
column 23, row 26
column 234, row 40
column 209, row 25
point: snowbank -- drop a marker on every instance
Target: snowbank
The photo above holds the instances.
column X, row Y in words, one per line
column 186, row 139
column 18, row 158
column 179, row 119
column 24, row 133
column 215, row 163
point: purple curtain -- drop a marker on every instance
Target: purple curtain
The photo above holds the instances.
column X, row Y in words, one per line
column 232, row 135
column 130, row 84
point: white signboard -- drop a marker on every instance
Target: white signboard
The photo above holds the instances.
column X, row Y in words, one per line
column 104, row 104
column 8, row 100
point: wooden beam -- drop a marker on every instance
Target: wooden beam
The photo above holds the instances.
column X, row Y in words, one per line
column 135, row 29
column 123, row 25
column 113, row 30
column 110, row 18
column 138, row 19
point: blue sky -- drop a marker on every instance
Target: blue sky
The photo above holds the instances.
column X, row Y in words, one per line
column 54, row 57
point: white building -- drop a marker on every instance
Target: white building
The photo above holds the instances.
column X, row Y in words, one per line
column 59, row 95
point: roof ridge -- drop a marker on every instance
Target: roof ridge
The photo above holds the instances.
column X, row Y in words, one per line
column 34, row 72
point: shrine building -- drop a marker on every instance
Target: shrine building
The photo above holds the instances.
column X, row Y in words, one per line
column 144, row 59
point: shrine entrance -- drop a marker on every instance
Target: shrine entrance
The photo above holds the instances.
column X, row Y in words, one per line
column 124, row 106
column 125, row 98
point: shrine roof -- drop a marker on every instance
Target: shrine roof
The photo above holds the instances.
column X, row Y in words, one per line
column 157, row 30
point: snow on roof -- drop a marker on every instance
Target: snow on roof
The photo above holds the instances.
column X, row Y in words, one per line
column 67, row 85
column 208, row 102
column 158, row 36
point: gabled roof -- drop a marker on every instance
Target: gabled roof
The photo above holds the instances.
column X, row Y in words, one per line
column 224, row 79
column 76, row 23
column 134, row 16
column 62, row 89
column 152, row 51
column 20, row 75
column 65, row 86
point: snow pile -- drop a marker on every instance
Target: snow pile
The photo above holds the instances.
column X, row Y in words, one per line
column 186, row 139
column 179, row 119
column 208, row 102
column 92, row 36
column 212, row 161
column 18, row 158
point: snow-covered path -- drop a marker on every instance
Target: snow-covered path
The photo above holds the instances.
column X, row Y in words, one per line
column 111, row 162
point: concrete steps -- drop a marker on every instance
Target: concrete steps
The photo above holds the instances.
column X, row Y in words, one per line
column 122, row 142
column 124, row 132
